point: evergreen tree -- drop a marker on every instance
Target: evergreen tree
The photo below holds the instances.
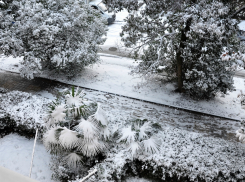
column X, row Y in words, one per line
column 55, row 35
column 184, row 37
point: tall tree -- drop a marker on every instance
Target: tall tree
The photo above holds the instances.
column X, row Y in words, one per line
column 186, row 38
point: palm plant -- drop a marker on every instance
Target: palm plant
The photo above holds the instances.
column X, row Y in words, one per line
column 76, row 129
column 138, row 137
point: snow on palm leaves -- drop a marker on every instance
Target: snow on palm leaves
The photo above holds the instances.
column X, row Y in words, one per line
column 139, row 138
column 78, row 128
column 76, row 102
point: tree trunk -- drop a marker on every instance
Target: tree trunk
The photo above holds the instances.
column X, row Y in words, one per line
column 179, row 58
column 179, row 72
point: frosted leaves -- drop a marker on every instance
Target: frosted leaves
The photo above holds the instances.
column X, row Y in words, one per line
column 80, row 131
column 58, row 114
column 139, row 138
column 76, row 129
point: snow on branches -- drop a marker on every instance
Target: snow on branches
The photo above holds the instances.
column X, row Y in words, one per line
column 186, row 39
column 51, row 35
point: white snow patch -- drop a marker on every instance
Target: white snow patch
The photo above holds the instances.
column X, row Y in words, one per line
column 137, row 179
column 46, row 94
column 112, row 75
column 16, row 153
column 241, row 25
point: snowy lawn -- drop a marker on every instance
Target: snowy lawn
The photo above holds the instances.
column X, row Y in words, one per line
column 112, row 75
column 184, row 153
column 16, row 153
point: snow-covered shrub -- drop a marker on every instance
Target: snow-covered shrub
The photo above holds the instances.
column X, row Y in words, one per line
column 64, row 173
column 130, row 141
column 183, row 155
column 138, row 138
column 22, row 112
column 59, row 35
column 206, row 73
column 77, row 129
column 185, row 38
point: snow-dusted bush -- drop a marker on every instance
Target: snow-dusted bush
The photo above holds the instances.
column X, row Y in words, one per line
column 77, row 130
column 22, row 112
column 138, row 138
column 184, row 38
column 183, row 155
column 55, row 35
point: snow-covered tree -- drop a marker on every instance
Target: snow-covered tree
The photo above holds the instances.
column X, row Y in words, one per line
column 184, row 38
column 76, row 129
column 60, row 35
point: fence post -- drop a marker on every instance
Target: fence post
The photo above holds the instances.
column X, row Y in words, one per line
column 33, row 151
column 90, row 174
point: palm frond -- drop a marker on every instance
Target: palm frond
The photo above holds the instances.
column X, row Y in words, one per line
column 151, row 145
column 87, row 129
column 134, row 147
column 100, row 116
column 68, row 138
column 128, row 135
column 49, row 139
column 72, row 91
column 75, row 98
column 144, row 129
column 73, row 160
column 105, row 132
column 58, row 114
column 92, row 147
column 240, row 134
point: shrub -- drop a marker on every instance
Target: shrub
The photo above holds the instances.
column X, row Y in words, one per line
column 61, row 36
column 77, row 130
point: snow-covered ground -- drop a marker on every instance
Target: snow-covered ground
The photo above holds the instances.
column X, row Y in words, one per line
column 191, row 129
column 16, row 153
column 241, row 25
column 113, row 37
column 112, row 75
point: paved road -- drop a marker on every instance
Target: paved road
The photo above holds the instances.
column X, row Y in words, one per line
column 13, row 81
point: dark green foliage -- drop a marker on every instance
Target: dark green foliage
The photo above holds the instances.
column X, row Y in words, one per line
column 185, row 38
column 8, row 126
column 59, row 36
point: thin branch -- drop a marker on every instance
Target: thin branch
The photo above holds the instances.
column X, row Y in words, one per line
column 149, row 40
column 237, row 12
